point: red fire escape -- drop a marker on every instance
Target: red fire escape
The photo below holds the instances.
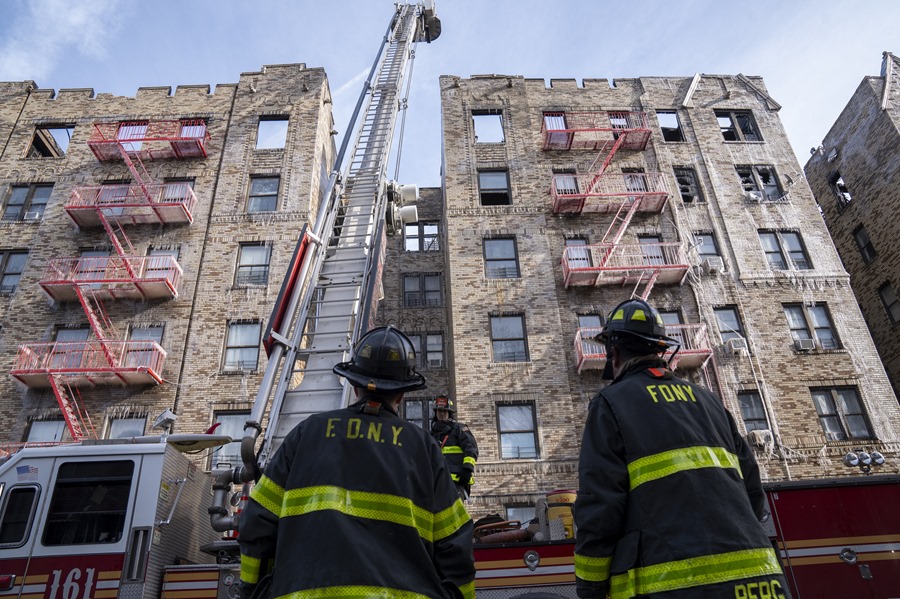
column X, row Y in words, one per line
column 107, row 358
column 622, row 195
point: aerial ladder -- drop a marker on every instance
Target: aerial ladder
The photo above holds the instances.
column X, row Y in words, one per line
column 327, row 297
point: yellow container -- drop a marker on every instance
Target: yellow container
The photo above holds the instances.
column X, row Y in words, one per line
column 559, row 506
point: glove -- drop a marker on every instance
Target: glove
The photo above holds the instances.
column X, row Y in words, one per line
column 465, row 477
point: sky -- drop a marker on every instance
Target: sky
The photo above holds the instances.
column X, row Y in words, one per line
column 812, row 54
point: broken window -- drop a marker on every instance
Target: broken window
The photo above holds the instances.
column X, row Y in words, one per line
column 688, row 186
column 866, row 249
column 670, row 125
column 493, row 188
column 488, row 126
column 760, row 183
column 51, row 141
column 737, row 125
column 271, row 133
column 840, row 188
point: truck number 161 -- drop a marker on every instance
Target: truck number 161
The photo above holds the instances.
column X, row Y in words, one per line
column 72, row 587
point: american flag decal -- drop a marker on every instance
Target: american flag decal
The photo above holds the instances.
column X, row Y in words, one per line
column 26, row 472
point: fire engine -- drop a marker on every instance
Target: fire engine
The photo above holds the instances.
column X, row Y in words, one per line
column 136, row 518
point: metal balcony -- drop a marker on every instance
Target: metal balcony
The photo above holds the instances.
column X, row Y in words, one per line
column 150, row 140
column 113, row 277
column 594, row 130
column 622, row 264
column 694, row 352
column 82, row 363
column 605, row 192
column 150, row 203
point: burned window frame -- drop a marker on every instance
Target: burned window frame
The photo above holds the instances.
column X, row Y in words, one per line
column 670, row 134
column 839, row 186
column 688, row 184
column 488, row 112
column 736, row 132
column 44, row 143
column 753, row 178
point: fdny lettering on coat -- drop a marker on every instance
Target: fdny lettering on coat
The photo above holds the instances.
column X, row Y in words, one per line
column 671, row 393
column 356, row 428
column 766, row 589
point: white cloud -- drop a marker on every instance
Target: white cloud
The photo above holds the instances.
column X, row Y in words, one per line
column 45, row 31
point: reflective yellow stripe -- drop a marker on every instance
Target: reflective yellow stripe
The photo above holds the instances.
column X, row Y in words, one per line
column 694, row 571
column 356, row 592
column 469, row 460
column 376, row 506
column 468, row 590
column 268, row 494
column 249, row 569
column 592, row 569
column 451, row 449
column 663, row 464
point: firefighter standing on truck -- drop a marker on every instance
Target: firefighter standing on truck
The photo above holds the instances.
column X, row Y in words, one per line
column 358, row 502
column 457, row 443
column 670, row 500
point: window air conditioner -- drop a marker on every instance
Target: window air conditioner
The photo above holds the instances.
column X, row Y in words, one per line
column 736, row 346
column 435, row 363
column 804, row 344
column 753, row 196
column 760, row 438
column 32, row 216
column 713, row 265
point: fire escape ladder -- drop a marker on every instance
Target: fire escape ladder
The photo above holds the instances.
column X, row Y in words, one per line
column 138, row 171
column 119, row 240
column 649, row 282
column 69, row 408
column 604, row 157
column 97, row 318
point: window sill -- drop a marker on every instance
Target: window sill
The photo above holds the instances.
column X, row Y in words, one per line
column 725, row 141
column 268, row 150
column 509, row 364
column 821, row 351
column 237, row 287
column 238, row 372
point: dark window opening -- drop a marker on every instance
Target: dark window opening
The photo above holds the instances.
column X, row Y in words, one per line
column 51, row 141
column 493, row 188
column 18, row 512
column 488, row 126
column 670, row 125
column 737, row 125
column 866, row 249
column 688, row 186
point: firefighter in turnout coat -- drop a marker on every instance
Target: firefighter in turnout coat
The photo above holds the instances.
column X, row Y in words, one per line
column 358, row 502
column 457, row 443
column 670, row 499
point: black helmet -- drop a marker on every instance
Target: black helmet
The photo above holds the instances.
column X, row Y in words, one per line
column 383, row 360
column 636, row 320
column 443, row 402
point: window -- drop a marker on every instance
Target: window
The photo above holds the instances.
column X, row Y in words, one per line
column 253, row 264
column 518, row 431
column 231, row 424
column 811, row 322
column 556, row 131
column 729, row 323
column 866, row 249
column 673, row 317
column 565, row 182
column 26, row 202
column 46, row 431
column 706, row 245
column 635, row 179
column 759, row 183
column 752, row 411
column 578, row 255
column 263, row 194
column 50, row 141
column 161, row 263
column 889, row 299
column 432, row 355
column 421, row 237
column 69, row 351
column 670, row 126
column 141, row 351
column 488, row 126
column 417, row 411
column 501, row 259
column 132, row 134
column 841, row 413
column 520, row 513
column 271, row 133
column 688, row 187
column 840, row 188
column 89, row 503
column 508, row 339
column 15, row 523
column 177, row 191
column 421, row 290
column 590, row 325
column 737, row 125
column 784, row 249
column 12, row 264
column 125, row 428
column 493, row 188
column 651, row 250
column 242, row 346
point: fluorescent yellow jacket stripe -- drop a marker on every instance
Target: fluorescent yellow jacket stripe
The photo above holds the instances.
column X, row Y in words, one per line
column 451, row 449
column 592, row 569
column 354, row 592
column 694, row 571
column 360, row 504
column 250, row 569
column 469, row 460
column 663, row 464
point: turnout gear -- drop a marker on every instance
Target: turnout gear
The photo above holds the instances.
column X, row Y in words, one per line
column 369, row 490
column 384, row 360
column 457, row 444
column 669, row 498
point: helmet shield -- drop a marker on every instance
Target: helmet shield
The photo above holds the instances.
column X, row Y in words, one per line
column 384, row 359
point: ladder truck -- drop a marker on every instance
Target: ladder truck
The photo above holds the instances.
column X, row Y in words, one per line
column 132, row 518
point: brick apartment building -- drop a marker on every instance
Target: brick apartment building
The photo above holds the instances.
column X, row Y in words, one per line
column 855, row 175
column 563, row 200
column 143, row 241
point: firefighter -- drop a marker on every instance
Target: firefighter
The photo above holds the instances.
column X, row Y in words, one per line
column 670, row 499
column 457, row 443
column 358, row 502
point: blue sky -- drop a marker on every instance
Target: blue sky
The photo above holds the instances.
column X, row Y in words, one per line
column 812, row 53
